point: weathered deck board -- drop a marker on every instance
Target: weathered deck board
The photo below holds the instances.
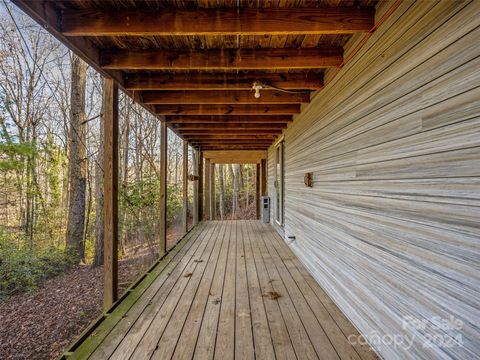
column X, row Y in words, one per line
column 216, row 299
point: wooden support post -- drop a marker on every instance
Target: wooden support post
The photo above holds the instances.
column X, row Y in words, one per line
column 213, row 201
column 200, row 186
column 263, row 180
column 208, row 172
column 110, row 193
column 196, row 220
column 162, row 228
column 185, row 186
column 257, row 191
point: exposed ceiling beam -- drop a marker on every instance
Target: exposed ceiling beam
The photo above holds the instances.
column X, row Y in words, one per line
column 235, row 147
column 248, row 119
column 196, row 132
column 228, row 110
column 222, row 81
column 233, row 126
column 223, row 59
column 223, row 97
column 231, row 141
column 230, row 136
column 278, row 21
column 235, row 157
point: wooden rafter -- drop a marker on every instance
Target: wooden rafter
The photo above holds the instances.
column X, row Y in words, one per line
column 278, row 21
column 223, row 97
column 231, row 126
column 244, row 136
column 247, row 119
column 227, row 109
column 229, row 132
column 223, row 59
column 234, row 147
column 234, row 157
column 222, row 81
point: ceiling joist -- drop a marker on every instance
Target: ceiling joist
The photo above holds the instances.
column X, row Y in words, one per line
column 223, row 59
column 223, row 97
column 278, row 21
column 222, row 81
column 227, row 110
column 246, row 119
column 236, row 126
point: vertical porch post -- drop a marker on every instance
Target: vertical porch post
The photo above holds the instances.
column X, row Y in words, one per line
column 110, row 191
column 162, row 228
column 200, row 186
column 213, row 201
column 185, row 186
column 195, row 188
column 257, row 191
column 263, row 180
column 208, row 205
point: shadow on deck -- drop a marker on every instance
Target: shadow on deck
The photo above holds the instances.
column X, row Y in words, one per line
column 228, row 289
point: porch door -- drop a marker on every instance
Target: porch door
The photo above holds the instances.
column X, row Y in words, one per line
column 279, row 183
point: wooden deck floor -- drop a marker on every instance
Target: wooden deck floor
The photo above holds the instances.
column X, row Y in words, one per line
column 232, row 289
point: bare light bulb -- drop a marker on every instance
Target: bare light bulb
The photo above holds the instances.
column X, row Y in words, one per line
column 257, row 87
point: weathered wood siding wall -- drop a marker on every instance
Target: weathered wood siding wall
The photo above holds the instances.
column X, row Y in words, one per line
column 391, row 226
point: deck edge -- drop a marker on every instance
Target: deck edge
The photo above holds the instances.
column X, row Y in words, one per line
column 89, row 339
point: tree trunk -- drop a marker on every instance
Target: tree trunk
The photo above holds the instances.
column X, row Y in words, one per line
column 77, row 164
column 222, row 191
column 99, row 224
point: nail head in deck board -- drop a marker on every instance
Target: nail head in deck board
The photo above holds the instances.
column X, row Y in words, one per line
column 227, row 109
column 243, row 21
column 110, row 191
column 172, row 97
column 223, row 59
column 223, row 81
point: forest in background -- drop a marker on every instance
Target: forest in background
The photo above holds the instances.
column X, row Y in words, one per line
column 51, row 164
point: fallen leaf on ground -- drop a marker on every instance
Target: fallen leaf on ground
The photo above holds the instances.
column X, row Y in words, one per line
column 272, row 295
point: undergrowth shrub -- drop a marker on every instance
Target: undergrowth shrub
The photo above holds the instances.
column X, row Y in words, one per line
column 23, row 267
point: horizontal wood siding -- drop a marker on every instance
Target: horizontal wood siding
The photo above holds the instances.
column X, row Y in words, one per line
column 391, row 228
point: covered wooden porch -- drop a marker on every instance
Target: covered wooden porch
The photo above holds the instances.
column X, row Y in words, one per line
column 229, row 289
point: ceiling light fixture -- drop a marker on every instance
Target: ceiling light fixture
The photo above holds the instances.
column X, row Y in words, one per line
column 257, row 86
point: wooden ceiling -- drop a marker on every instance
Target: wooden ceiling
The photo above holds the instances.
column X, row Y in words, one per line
column 195, row 61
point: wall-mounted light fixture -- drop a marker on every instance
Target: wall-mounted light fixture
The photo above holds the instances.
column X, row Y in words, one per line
column 308, row 179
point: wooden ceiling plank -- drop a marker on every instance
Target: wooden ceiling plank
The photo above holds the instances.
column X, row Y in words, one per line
column 223, row 59
column 227, row 109
column 222, row 81
column 274, row 21
column 223, row 97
